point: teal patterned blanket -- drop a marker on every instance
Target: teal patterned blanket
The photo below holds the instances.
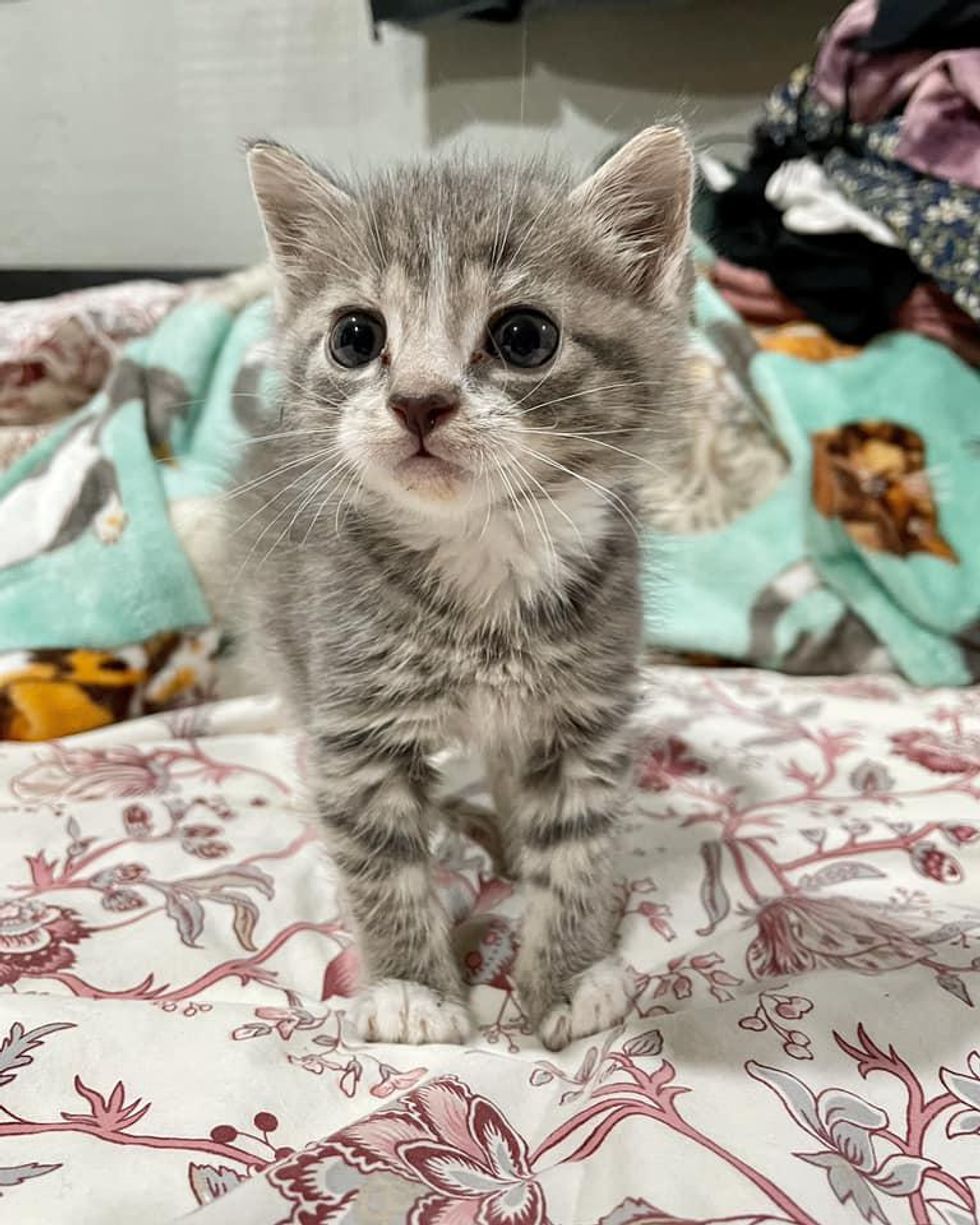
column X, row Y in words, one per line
column 862, row 554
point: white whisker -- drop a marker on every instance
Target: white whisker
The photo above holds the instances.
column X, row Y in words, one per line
column 540, row 521
column 237, row 490
column 586, row 391
column 614, row 500
column 564, row 514
column 598, row 442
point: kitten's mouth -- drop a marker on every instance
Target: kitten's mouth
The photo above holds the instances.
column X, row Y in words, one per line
column 429, row 474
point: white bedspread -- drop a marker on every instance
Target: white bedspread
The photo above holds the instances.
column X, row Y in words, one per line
column 801, row 915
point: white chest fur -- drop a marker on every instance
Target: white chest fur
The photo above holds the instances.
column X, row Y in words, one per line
column 495, row 563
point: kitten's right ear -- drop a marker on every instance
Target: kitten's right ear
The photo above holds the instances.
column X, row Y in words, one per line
column 642, row 198
column 299, row 207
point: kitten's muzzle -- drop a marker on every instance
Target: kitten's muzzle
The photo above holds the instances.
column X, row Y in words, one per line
column 420, row 415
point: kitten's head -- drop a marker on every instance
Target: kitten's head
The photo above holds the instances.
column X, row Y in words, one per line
column 457, row 336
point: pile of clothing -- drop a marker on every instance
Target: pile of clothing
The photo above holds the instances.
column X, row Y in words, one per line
column 859, row 209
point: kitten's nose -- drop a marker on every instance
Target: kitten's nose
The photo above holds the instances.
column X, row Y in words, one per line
column 421, row 414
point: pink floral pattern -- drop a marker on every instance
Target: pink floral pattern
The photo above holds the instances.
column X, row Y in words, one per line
column 800, row 935
column 36, row 939
column 938, row 752
column 467, row 1161
column 55, row 353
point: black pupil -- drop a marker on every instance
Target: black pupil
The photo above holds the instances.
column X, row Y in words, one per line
column 525, row 339
column 356, row 340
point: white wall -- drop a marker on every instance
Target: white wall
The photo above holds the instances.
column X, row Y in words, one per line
column 120, row 120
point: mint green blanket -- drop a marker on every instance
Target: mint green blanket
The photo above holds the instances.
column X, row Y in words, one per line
column 867, row 553
column 864, row 555
column 88, row 555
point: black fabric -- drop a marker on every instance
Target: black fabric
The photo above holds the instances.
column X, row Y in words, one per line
column 745, row 226
column 932, row 25
column 419, row 10
column 17, row 284
column 845, row 282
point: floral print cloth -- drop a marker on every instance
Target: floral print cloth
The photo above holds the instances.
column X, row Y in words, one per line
column 800, row 923
column 55, row 353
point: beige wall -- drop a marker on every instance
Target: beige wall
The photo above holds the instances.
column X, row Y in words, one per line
column 121, row 119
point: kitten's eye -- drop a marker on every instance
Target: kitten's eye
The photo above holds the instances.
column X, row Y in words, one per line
column 523, row 338
column 356, row 339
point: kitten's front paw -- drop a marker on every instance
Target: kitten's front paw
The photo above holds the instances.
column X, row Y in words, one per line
column 395, row 1010
column 597, row 1000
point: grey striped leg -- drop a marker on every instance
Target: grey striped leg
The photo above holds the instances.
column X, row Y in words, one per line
column 566, row 807
column 377, row 815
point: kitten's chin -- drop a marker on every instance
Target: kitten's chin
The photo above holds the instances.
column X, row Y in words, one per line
column 430, row 480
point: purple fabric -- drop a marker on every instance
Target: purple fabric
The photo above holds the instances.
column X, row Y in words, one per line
column 940, row 94
column 941, row 127
column 869, row 87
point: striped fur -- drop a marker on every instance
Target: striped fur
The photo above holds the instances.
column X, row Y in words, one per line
column 497, row 601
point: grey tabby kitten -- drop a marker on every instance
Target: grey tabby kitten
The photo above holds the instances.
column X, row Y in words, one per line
column 476, row 361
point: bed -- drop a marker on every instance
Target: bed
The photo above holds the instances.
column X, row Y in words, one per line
column 798, row 919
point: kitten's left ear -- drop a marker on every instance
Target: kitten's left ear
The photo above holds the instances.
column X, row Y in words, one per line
column 642, row 195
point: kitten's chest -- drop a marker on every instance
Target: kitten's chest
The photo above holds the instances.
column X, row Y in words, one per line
column 485, row 629
column 491, row 575
column 506, row 680
column 495, row 566
column 496, row 699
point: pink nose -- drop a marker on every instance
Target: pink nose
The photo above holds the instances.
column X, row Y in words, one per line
column 421, row 414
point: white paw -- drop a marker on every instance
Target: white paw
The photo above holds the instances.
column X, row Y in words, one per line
column 598, row 1001
column 395, row 1010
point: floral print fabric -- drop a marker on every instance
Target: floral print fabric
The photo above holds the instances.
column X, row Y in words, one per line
column 800, row 926
column 55, row 353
